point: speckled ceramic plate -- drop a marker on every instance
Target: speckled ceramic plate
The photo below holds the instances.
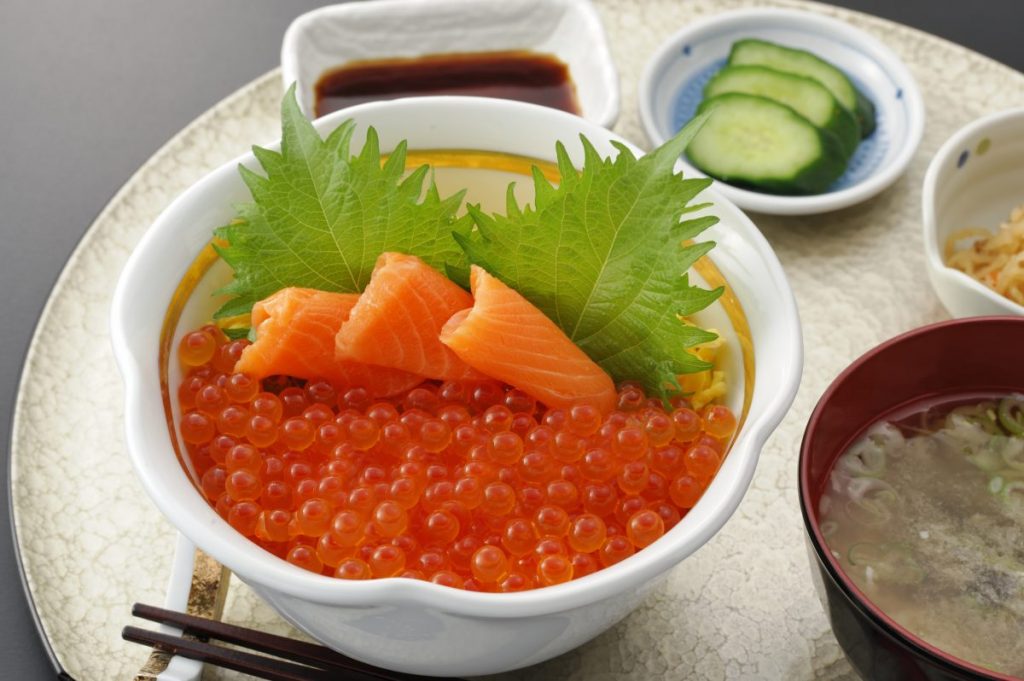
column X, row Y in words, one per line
column 743, row 607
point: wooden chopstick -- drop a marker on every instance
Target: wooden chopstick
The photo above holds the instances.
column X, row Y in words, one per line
column 299, row 660
column 248, row 663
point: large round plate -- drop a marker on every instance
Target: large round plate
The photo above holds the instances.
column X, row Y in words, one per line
column 742, row 607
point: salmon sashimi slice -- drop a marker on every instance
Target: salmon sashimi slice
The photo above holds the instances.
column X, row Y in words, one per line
column 399, row 316
column 504, row 336
column 295, row 332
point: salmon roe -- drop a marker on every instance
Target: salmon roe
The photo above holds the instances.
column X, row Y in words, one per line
column 471, row 485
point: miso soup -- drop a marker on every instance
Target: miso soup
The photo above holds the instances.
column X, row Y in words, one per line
column 925, row 513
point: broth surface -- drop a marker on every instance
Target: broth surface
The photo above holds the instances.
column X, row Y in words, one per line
column 925, row 513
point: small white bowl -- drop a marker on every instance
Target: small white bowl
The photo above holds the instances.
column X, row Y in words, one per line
column 673, row 83
column 329, row 37
column 406, row 624
column 975, row 180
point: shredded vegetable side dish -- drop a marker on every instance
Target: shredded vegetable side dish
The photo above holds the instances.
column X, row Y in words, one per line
column 994, row 259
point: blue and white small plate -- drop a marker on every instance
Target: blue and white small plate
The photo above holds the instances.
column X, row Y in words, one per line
column 674, row 79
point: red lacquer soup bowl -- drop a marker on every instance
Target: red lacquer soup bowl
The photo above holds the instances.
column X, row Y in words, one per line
column 961, row 356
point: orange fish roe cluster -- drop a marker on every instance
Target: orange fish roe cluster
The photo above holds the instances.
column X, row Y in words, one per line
column 472, row 485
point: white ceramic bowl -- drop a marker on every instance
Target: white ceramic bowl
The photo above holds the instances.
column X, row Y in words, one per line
column 673, row 83
column 975, row 180
column 329, row 37
column 411, row 625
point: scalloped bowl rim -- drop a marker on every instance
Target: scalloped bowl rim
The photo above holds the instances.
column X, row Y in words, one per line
column 778, row 204
column 133, row 354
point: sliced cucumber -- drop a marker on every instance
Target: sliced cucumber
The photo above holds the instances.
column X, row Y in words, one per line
column 865, row 114
column 803, row 63
column 806, row 96
column 751, row 140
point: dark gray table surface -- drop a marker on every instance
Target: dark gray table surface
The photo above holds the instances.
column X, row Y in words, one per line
column 89, row 90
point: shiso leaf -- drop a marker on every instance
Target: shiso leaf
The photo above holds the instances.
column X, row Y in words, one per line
column 605, row 255
column 320, row 216
column 237, row 332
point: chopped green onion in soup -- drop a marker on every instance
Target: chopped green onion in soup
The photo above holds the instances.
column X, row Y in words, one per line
column 925, row 513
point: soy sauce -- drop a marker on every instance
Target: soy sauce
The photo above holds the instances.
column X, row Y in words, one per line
column 523, row 76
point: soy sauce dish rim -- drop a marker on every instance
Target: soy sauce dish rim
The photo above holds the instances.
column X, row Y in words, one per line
column 592, row 35
column 135, row 354
column 812, row 525
column 885, row 59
